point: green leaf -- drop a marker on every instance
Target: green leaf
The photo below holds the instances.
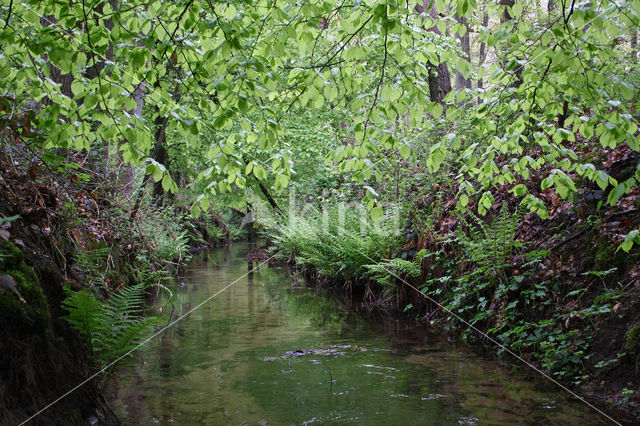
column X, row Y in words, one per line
column 157, row 173
column 436, row 110
column 519, row 190
column 405, row 151
column 167, row 183
column 376, row 213
column 629, row 239
column 90, row 101
column 616, row 193
column 195, row 211
column 371, row 191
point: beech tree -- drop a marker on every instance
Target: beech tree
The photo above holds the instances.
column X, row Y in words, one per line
column 220, row 77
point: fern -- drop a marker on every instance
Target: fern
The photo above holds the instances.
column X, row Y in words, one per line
column 92, row 261
column 83, row 308
column 491, row 246
column 111, row 328
column 339, row 241
column 385, row 271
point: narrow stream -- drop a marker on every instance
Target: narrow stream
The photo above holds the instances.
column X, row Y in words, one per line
column 262, row 353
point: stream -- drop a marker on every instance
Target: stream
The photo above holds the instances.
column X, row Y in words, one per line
column 263, row 353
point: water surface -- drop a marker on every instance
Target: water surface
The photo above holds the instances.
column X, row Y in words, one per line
column 264, row 353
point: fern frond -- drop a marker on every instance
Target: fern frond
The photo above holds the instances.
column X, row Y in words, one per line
column 490, row 246
column 110, row 329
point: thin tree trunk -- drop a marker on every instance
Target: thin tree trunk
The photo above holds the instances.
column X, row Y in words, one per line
column 634, row 45
column 551, row 6
column 158, row 152
column 461, row 82
column 506, row 17
column 483, row 50
column 64, row 80
column 129, row 170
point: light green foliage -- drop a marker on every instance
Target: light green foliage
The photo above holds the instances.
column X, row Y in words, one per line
column 233, row 73
column 109, row 328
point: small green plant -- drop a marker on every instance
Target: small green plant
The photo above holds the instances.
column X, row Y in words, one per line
column 9, row 219
column 627, row 394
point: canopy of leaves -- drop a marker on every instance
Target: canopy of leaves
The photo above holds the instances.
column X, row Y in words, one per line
column 223, row 77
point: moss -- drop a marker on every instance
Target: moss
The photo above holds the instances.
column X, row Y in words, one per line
column 34, row 316
column 632, row 338
column 10, row 256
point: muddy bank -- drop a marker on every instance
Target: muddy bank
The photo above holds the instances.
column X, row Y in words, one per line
column 42, row 358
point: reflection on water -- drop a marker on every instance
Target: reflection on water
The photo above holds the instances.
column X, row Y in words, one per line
column 261, row 353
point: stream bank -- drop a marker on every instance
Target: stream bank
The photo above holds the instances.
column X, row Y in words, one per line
column 65, row 232
column 559, row 292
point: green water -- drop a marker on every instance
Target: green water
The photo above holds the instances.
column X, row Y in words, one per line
column 233, row 361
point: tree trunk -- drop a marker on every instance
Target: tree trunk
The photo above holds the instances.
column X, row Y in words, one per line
column 483, row 49
column 439, row 77
column 56, row 75
column 160, row 154
column 129, row 172
column 634, row 45
column 551, row 5
column 506, row 17
column 439, row 83
column 461, row 82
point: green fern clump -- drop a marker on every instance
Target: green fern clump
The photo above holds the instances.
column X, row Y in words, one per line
column 112, row 328
column 338, row 241
column 491, row 246
column 387, row 270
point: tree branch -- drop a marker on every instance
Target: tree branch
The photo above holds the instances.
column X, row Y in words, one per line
column 375, row 98
column 6, row 23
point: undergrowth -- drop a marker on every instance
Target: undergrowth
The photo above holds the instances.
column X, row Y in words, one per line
column 338, row 240
column 110, row 328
